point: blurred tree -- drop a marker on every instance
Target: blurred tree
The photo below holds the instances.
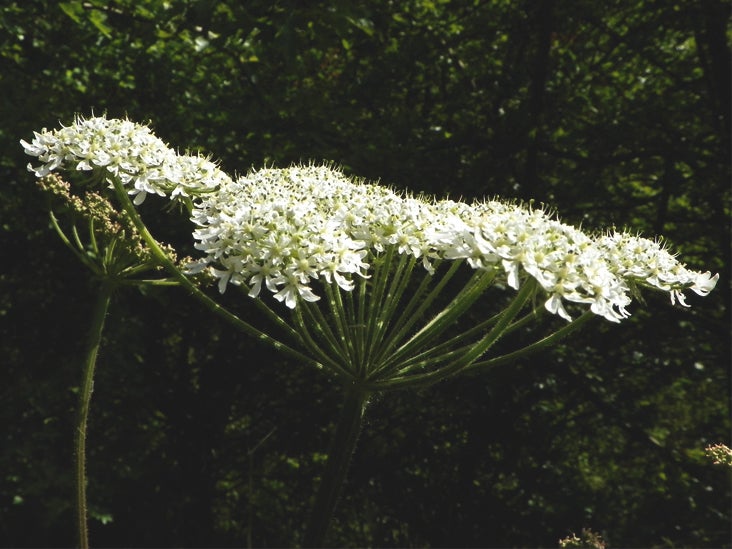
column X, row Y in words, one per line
column 615, row 113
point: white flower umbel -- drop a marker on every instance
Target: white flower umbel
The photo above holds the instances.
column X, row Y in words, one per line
column 285, row 228
column 125, row 150
column 645, row 262
column 307, row 231
column 129, row 159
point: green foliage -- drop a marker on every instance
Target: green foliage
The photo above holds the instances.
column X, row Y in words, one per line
column 614, row 113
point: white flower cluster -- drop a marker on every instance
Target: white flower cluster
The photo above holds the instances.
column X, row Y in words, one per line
column 647, row 262
column 128, row 151
column 284, row 228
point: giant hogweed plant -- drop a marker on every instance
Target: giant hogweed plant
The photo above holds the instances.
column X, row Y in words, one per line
column 360, row 281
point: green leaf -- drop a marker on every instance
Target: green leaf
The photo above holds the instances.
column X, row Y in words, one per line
column 73, row 10
column 99, row 20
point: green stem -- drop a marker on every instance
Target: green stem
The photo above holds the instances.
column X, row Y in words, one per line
column 465, row 298
column 317, row 351
column 94, row 339
column 548, row 341
column 426, row 379
column 385, row 317
column 415, row 308
column 339, row 458
column 341, row 322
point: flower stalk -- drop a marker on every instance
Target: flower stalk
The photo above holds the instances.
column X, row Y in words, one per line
column 104, row 241
column 341, row 451
column 94, row 339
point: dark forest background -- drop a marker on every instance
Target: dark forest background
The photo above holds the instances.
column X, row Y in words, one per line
column 615, row 113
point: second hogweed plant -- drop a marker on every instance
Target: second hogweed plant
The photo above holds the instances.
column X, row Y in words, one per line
column 363, row 282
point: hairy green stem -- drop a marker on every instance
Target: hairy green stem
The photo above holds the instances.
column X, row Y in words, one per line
column 92, row 348
column 339, row 458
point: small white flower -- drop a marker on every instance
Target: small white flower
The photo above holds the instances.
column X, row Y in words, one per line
column 704, row 283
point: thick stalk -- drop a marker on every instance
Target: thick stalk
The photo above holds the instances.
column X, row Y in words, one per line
column 339, row 458
column 92, row 348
